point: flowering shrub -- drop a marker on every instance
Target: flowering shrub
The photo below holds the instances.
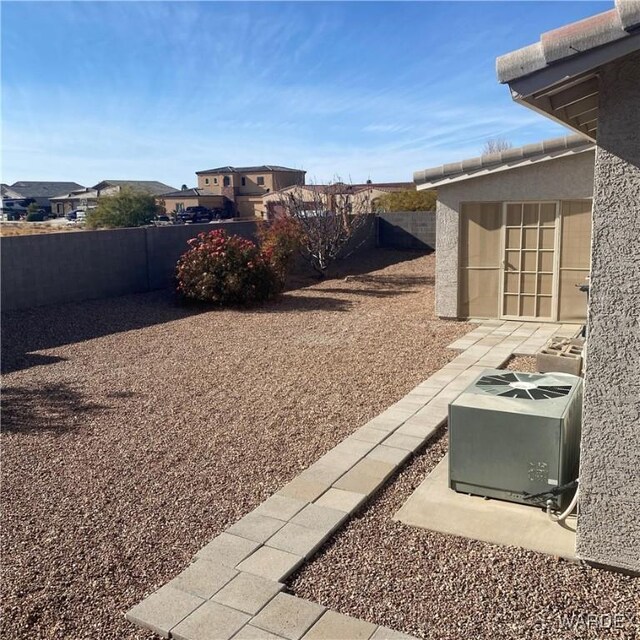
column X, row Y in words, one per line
column 281, row 239
column 226, row 269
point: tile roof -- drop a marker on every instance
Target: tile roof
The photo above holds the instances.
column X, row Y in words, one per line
column 152, row 187
column 35, row 189
column 503, row 160
column 619, row 23
column 338, row 187
column 187, row 193
column 264, row 167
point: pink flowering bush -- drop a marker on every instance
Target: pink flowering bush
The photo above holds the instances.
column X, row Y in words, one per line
column 226, row 269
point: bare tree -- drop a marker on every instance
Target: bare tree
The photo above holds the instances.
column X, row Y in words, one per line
column 495, row 145
column 332, row 219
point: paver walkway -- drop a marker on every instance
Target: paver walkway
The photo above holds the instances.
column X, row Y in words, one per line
column 234, row 586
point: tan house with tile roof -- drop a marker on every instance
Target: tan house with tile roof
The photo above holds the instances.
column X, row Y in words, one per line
column 363, row 195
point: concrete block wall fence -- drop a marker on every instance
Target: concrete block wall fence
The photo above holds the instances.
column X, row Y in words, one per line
column 407, row 230
column 56, row 268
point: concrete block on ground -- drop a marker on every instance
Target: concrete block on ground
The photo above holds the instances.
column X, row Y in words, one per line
column 280, row 507
column 321, row 473
column 255, row 527
column 270, row 563
column 390, row 455
column 297, row 539
column 315, row 516
column 288, row 616
column 203, row 578
column 403, row 441
column 304, row 489
column 227, row 549
column 163, row 610
column 336, row 626
column 211, row 621
column 249, row 632
column 341, row 500
column 248, row 593
column 366, row 476
column 369, row 434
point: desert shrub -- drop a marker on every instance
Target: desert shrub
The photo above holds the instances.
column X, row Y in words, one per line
column 281, row 239
column 35, row 216
column 226, row 269
column 128, row 208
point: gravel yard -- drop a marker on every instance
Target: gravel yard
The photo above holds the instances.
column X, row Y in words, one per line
column 447, row 588
column 135, row 430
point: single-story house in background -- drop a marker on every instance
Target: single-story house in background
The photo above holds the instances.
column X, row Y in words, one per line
column 36, row 191
column 514, row 232
column 362, row 195
column 84, row 198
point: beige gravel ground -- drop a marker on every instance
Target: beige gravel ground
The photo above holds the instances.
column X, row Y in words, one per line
column 135, row 430
column 448, row 588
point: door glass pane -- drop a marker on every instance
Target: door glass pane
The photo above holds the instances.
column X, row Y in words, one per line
column 530, row 238
column 511, row 305
column 544, row 307
column 511, row 282
column 530, row 215
column 513, row 239
column 547, row 238
column 529, row 259
column 514, row 215
column 547, row 214
column 545, row 283
column 528, row 283
column 546, row 261
column 528, row 306
column 512, row 260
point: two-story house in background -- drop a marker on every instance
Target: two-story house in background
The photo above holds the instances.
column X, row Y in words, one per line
column 239, row 188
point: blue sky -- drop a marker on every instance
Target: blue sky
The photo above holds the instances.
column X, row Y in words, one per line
column 159, row 90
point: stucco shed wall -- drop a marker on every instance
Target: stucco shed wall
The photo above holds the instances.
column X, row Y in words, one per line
column 609, row 522
column 567, row 178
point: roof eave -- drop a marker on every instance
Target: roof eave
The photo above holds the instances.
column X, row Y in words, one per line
column 534, row 90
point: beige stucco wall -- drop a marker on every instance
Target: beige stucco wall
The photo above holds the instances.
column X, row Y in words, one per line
column 565, row 178
column 191, row 201
column 273, row 180
column 609, row 521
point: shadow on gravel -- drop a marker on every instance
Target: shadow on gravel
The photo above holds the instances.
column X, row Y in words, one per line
column 49, row 408
column 24, row 332
column 355, row 266
column 29, row 331
column 305, row 303
column 373, row 293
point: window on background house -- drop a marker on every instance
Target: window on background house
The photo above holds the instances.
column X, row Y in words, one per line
column 215, row 181
column 179, row 207
column 244, row 182
column 206, row 180
column 226, row 181
column 260, row 180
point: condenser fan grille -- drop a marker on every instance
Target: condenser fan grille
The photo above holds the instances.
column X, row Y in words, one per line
column 528, row 386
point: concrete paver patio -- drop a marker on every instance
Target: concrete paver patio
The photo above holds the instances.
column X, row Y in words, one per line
column 279, row 535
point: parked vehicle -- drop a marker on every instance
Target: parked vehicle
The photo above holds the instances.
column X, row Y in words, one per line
column 161, row 221
column 195, row 214
column 73, row 214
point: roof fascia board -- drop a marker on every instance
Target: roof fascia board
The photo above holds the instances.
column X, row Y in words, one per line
column 564, row 70
column 517, row 164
